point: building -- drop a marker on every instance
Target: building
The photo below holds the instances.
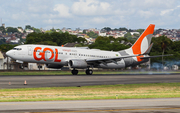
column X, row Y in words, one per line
column 132, row 33
column 3, row 25
column 29, row 31
column 20, row 30
column 1, row 61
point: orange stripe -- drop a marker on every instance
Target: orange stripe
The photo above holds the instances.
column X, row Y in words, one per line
column 139, row 59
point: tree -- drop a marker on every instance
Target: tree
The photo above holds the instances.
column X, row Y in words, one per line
column 60, row 32
column 140, row 31
column 2, row 41
column 176, row 46
column 123, row 29
column 2, row 29
column 48, row 43
column 30, row 40
column 12, row 30
column 84, row 31
column 20, row 28
column 53, row 30
column 103, row 43
column 116, row 29
column 36, row 30
column 128, row 36
column 136, row 35
column 107, row 29
column 162, row 45
column 121, row 38
column 28, row 27
column 6, row 47
column 53, row 38
column 92, row 34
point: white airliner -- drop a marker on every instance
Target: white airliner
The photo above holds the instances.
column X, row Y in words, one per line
column 76, row 58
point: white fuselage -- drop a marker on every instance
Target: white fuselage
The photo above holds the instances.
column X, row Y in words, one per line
column 61, row 55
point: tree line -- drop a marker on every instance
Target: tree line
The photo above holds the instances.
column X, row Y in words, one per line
column 109, row 43
column 54, row 38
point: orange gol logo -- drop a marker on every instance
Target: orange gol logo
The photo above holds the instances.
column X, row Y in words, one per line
column 42, row 54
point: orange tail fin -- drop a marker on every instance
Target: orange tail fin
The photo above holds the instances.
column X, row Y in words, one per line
column 143, row 42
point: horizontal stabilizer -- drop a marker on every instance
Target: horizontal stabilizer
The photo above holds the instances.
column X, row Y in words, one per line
column 155, row 56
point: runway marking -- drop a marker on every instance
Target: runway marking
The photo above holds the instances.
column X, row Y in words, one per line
column 111, row 110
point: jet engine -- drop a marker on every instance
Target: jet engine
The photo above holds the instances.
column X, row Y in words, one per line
column 56, row 66
column 78, row 63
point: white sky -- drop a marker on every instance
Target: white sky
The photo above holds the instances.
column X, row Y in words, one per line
column 133, row 14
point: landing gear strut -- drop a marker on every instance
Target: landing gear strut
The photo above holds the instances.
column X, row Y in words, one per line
column 89, row 72
column 74, row 71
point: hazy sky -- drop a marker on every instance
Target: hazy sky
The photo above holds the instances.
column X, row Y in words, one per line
column 83, row 14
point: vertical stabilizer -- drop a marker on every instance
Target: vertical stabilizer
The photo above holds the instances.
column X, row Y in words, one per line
column 143, row 42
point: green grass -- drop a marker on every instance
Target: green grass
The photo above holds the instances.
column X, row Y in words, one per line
column 81, row 72
column 121, row 91
column 36, row 73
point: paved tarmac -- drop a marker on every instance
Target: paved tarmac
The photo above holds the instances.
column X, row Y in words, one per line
column 170, row 105
column 164, row 105
column 33, row 81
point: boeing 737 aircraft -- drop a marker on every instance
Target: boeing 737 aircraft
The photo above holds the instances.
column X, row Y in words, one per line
column 76, row 58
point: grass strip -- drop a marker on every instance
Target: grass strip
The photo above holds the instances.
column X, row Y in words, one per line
column 83, row 72
column 121, row 91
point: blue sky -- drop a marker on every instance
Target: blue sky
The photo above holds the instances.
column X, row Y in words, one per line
column 133, row 14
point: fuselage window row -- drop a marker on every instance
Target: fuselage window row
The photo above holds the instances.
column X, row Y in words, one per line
column 69, row 53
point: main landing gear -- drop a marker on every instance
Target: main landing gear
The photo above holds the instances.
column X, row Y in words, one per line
column 74, row 71
column 88, row 72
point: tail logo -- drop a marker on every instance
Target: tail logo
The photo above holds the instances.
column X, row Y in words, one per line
column 143, row 42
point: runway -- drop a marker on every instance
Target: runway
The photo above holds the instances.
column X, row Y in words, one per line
column 168, row 105
column 83, row 80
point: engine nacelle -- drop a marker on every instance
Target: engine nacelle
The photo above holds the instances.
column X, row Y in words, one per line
column 78, row 63
column 56, row 66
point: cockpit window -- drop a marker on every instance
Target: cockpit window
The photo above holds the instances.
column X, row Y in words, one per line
column 17, row 48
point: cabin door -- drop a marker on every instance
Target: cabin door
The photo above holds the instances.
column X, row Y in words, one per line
column 29, row 50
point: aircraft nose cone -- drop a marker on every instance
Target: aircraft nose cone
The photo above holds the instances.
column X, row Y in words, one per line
column 8, row 53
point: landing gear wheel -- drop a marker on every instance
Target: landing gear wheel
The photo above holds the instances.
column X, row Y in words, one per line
column 74, row 72
column 89, row 72
column 21, row 66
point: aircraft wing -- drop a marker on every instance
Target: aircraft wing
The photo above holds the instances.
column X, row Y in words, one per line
column 115, row 59
column 108, row 60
